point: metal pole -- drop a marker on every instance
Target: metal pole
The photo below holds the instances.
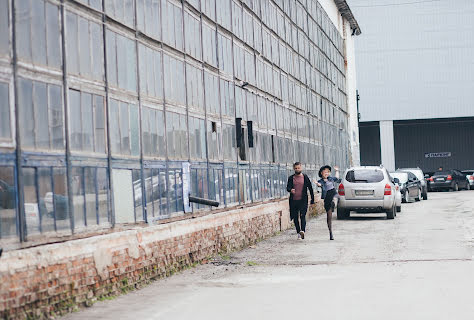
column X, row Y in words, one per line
column 19, row 172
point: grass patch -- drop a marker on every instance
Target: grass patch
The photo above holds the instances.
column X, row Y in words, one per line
column 252, row 263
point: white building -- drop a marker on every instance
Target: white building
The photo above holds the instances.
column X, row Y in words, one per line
column 416, row 83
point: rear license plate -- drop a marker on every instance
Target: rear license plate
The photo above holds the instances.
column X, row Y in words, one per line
column 439, row 179
column 364, row 192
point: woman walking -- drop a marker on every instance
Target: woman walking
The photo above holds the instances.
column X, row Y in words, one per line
column 329, row 192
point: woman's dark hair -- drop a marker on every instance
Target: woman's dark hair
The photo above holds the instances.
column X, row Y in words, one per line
column 322, row 169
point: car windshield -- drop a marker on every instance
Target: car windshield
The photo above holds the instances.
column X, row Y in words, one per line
column 418, row 174
column 402, row 176
column 364, row 176
column 443, row 173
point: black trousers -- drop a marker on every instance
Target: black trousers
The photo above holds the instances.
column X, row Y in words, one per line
column 298, row 209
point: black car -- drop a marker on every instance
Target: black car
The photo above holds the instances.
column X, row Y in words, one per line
column 452, row 180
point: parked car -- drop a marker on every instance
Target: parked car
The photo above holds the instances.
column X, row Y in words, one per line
column 452, row 180
column 470, row 177
column 410, row 188
column 421, row 177
column 367, row 189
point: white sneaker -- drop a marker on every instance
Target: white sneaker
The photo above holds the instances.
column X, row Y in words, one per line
column 302, row 234
column 299, row 236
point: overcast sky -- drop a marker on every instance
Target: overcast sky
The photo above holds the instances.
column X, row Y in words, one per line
column 415, row 58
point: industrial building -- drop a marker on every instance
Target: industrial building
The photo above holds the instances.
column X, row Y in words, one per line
column 416, row 84
column 112, row 113
column 102, row 103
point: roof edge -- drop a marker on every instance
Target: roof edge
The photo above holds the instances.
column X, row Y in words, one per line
column 346, row 13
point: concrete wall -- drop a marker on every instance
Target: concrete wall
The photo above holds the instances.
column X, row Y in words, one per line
column 415, row 61
column 351, row 85
column 56, row 278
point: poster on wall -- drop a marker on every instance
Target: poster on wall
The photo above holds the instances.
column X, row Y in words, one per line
column 186, row 186
column 438, row 155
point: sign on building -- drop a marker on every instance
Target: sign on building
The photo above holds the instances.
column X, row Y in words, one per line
column 438, row 155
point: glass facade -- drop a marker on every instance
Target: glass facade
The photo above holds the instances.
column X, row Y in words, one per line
column 108, row 112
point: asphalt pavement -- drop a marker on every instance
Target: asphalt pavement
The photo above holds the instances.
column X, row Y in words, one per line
column 418, row 266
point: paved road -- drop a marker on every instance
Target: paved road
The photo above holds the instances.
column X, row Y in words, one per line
column 418, row 266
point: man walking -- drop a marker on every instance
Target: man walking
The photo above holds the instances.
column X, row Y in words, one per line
column 298, row 186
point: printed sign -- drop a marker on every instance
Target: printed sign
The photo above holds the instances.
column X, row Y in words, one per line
column 438, row 155
column 186, row 186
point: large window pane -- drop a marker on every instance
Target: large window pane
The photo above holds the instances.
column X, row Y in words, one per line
column 8, row 214
column 5, row 128
column 32, row 214
column 148, row 17
column 46, row 202
column 103, row 191
column 75, row 123
column 4, row 28
column 40, row 102
column 77, row 178
column 90, row 195
column 61, row 205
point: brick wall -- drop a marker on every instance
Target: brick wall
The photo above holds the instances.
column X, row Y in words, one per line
column 54, row 279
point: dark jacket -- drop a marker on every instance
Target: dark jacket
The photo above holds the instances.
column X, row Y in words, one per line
column 323, row 185
column 307, row 186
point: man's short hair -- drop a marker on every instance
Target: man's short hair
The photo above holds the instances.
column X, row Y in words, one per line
column 297, row 163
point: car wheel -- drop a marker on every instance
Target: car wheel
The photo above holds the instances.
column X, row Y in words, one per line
column 391, row 213
column 343, row 213
column 425, row 195
column 418, row 197
column 399, row 209
column 456, row 187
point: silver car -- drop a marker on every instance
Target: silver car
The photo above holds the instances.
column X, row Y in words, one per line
column 367, row 189
column 421, row 176
column 470, row 177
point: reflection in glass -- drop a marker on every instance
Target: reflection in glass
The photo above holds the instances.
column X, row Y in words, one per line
column 8, row 215
column 46, row 202
column 32, row 214
column 103, row 191
column 77, row 177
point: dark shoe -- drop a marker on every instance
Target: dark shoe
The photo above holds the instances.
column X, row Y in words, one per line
column 302, row 234
column 330, row 236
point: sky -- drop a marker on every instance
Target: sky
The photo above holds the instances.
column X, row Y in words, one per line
column 415, row 58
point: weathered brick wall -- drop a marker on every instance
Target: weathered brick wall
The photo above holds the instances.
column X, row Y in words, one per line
column 54, row 279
